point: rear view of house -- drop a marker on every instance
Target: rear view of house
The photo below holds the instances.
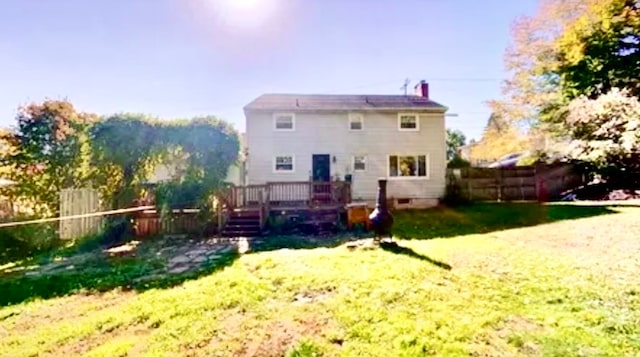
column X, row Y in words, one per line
column 361, row 138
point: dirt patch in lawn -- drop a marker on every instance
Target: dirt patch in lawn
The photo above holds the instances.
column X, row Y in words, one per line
column 97, row 339
column 279, row 336
column 507, row 339
column 58, row 310
column 245, row 335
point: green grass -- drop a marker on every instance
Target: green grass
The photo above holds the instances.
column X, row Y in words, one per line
column 507, row 280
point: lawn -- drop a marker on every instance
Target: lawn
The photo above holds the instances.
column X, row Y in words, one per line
column 486, row 280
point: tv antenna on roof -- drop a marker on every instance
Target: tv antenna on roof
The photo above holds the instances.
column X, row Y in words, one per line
column 405, row 86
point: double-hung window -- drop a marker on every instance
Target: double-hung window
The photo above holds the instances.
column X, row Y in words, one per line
column 408, row 122
column 356, row 122
column 283, row 163
column 284, row 122
column 359, row 163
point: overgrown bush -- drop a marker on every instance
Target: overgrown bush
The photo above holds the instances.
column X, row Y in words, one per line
column 21, row 242
column 116, row 230
column 458, row 162
column 454, row 194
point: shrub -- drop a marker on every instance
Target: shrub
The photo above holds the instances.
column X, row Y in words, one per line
column 20, row 242
column 458, row 162
column 454, row 194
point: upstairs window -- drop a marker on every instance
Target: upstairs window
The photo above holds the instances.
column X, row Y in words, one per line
column 409, row 166
column 284, row 122
column 408, row 122
column 356, row 122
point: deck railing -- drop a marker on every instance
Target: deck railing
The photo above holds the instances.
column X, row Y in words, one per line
column 288, row 194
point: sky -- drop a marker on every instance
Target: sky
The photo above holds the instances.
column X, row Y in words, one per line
column 184, row 58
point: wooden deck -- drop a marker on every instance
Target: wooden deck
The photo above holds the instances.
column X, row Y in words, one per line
column 262, row 201
column 288, row 195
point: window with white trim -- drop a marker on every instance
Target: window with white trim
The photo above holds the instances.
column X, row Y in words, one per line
column 284, row 122
column 283, row 163
column 356, row 121
column 359, row 163
column 408, row 122
column 407, row 166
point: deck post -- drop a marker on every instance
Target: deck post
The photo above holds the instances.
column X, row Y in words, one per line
column 261, row 205
column 219, row 212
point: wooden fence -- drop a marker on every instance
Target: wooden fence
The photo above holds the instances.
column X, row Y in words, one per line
column 150, row 223
column 78, row 201
column 527, row 183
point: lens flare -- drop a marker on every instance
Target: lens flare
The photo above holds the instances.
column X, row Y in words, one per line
column 245, row 14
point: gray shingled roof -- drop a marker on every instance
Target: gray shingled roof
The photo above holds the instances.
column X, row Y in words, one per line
column 301, row 102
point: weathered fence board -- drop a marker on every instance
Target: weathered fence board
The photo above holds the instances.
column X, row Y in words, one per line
column 150, row 223
column 78, row 202
column 528, row 183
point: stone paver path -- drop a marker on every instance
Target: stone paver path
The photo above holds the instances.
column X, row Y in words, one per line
column 191, row 255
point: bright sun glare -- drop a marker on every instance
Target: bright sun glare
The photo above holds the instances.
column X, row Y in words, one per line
column 243, row 4
column 245, row 14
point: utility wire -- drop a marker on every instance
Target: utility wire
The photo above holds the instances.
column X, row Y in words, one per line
column 428, row 79
column 86, row 215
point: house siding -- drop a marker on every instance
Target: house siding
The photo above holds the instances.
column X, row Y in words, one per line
column 328, row 133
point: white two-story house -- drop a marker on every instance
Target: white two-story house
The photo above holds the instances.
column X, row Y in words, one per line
column 297, row 137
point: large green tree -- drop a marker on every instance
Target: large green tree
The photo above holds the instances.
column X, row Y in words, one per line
column 531, row 59
column 567, row 49
column 124, row 149
column 127, row 147
column 600, row 50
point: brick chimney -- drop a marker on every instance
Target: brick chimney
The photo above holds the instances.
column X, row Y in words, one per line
column 422, row 89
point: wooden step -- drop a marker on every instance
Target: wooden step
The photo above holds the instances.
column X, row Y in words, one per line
column 240, row 232
column 244, row 219
column 245, row 214
column 250, row 226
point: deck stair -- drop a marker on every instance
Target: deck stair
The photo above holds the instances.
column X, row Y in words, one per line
column 243, row 222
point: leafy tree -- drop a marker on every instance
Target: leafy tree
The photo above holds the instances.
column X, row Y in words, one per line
column 567, row 49
column 533, row 94
column 455, row 140
column 48, row 151
column 127, row 147
column 601, row 50
column 606, row 133
column 124, row 149
column 209, row 146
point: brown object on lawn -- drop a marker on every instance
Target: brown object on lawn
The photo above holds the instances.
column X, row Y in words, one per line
column 381, row 218
column 358, row 213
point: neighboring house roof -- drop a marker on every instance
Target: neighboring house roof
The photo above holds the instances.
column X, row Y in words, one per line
column 331, row 102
